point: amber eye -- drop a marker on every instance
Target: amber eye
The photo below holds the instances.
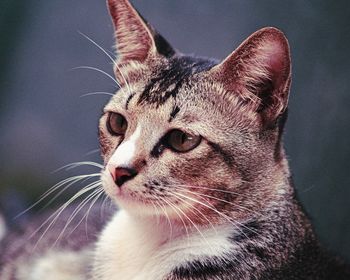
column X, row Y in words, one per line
column 116, row 124
column 181, row 141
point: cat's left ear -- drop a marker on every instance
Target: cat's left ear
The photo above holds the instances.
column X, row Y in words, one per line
column 136, row 39
column 259, row 73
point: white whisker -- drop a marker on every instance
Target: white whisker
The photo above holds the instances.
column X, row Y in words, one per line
column 229, row 219
column 167, row 217
column 97, row 193
column 100, row 71
column 75, row 212
column 110, row 57
column 64, row 189
column 219, row 199
column 78, row 164
column 97, row 45
column 58, row 212
column 198, row 211
column 195, row 226
column 176, row 209
column 97, row 93
column 157, row 212
column 213, row 189
column 70, row 181
column 92, row 152
column 103, row 205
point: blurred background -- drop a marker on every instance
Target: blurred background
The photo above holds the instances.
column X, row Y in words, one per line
column 45, row 123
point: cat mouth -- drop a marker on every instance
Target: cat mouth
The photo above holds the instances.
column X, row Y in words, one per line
column 125, row 197
column 128, row 196
column 136, row 200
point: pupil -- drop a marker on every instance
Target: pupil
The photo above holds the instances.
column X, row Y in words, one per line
column 121, row 123
column 183, row 138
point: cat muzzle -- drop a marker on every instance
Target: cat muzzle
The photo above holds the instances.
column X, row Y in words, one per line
column 121, row 175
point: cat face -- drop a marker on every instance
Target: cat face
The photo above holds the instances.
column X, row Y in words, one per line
column 190, row 138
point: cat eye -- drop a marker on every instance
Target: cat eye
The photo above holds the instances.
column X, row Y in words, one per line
column 181, row 141
column 116, row 124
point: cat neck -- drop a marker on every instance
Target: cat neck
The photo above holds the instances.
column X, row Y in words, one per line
column 131, row 246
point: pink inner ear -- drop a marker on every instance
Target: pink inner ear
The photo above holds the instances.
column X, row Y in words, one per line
column 274, row 59
column 274, row 54
column 258, row 72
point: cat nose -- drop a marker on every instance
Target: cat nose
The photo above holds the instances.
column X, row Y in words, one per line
column 122, row 174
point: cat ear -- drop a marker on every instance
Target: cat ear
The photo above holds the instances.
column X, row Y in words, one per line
column 259, row 72
column 136, row 39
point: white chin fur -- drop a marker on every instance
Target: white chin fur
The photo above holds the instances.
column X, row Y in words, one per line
column 139, row 208
column 132, row 206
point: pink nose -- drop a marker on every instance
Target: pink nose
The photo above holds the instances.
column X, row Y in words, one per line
column 122, row 174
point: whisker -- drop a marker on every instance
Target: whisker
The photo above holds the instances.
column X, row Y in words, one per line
column 57, row 213
column 103, row 205
column 213, row 189
column 70, row 181
column 97, row 193
column 97, row 196
column 229, row 219
column 74, row 214
column 157, row 211
column 89, row 209
column 121, row 73
column 219, row 199
column 85, row 201
column 78, row 164
column 100, row 71
column 64, row 189
column 92, row 152
column 198, row 211
column 110, row 57
column 175, row 208
column 97, row 93
column 195, row 226
column 97, row 45
column 166, row 215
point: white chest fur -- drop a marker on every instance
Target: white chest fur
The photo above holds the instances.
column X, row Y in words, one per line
column 133, row 249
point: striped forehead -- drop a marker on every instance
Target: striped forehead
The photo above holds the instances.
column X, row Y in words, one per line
column 160, row 89
column 167, row 81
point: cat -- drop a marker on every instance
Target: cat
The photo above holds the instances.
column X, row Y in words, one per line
column 193, row 157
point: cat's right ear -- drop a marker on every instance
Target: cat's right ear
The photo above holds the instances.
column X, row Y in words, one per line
column 136, row 40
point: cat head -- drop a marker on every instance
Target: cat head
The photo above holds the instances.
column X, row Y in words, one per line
column 193, row 137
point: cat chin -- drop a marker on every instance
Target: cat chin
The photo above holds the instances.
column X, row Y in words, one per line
column 182, row 217
column 135, row 207
column 125, row 200
column 135, row 204
column 144, row 208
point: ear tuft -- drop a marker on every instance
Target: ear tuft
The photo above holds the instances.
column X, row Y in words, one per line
column 259, row 72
